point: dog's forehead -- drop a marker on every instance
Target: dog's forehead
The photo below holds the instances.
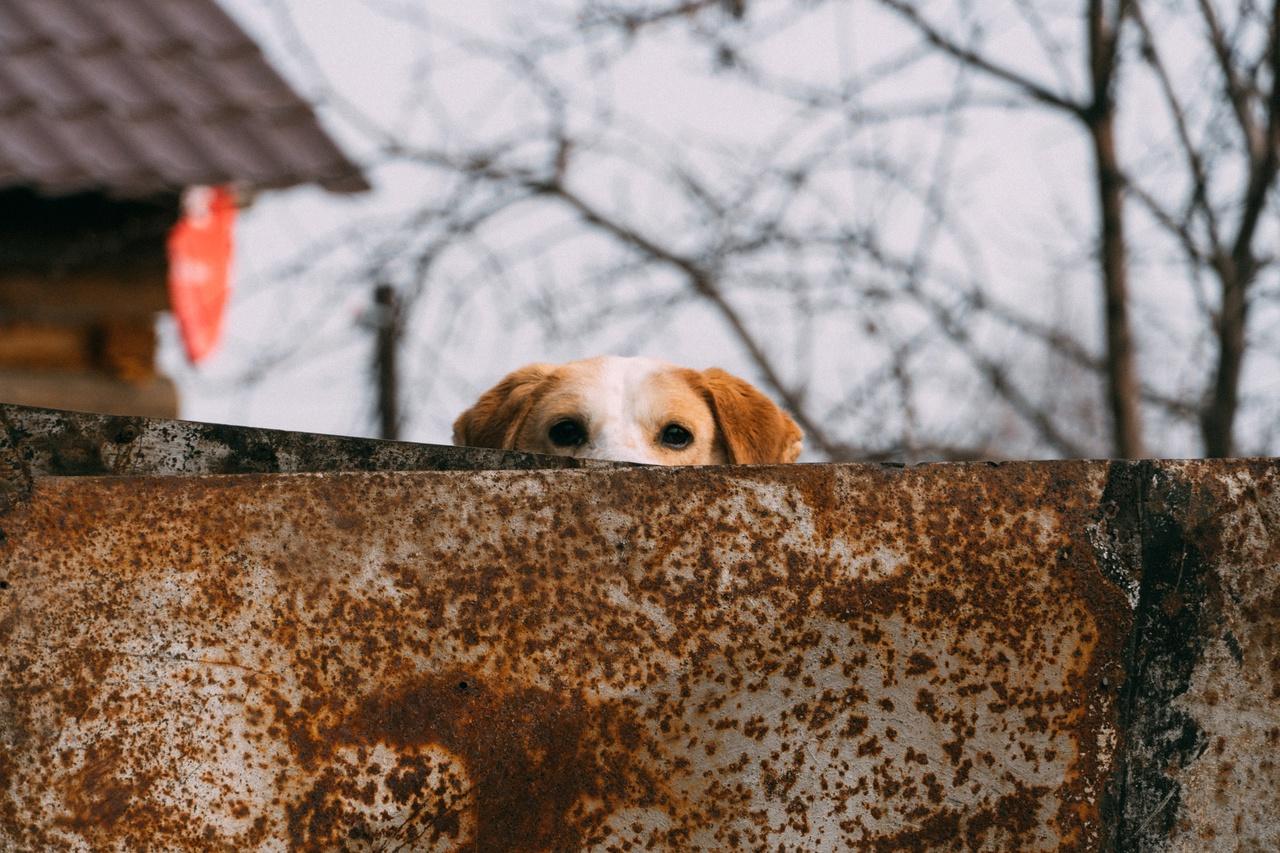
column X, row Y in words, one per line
column 623, row 387
column 617, row 374
column 621, row 370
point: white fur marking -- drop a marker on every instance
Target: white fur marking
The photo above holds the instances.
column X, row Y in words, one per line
column 615, row 433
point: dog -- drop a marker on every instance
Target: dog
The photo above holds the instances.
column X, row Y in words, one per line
column 631, row 410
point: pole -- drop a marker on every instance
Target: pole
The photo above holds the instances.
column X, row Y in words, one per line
column 387, row 325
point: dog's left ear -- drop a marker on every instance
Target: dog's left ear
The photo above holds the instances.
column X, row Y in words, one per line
column 754, row 430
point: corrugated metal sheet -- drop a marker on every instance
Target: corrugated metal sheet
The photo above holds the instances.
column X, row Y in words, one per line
column 136, row 97
column 1026, row 656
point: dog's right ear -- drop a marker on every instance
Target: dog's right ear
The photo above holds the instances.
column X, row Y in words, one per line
column 754, row 430
column 496, row 418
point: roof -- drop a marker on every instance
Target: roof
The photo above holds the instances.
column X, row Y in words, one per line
column 136, row 97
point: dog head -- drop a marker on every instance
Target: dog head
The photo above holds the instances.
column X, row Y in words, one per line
column 630, row 410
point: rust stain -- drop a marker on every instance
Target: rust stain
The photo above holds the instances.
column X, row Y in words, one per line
column 97, row 795
column 568, row 749
column 814, row 656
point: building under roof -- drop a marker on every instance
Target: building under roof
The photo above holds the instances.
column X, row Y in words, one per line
column 109, row 109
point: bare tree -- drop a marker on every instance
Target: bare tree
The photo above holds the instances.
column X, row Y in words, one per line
column 826, row 246
column 1247, row 82
column 1096, row 112
column 1229, row 181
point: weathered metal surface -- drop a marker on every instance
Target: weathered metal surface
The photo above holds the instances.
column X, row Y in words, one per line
column 697, row 659
column 50, row 442
column 1029, row 656
column 1202, row 716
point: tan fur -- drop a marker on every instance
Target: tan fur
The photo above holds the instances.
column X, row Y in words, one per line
column 497, row 416
column 754, row 430
column 625, row 404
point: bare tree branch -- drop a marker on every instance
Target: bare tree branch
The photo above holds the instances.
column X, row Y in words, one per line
column 1122, row 383
column 1031, row 88
column 1237, row 271
column 1195, row 162
column 838, row 221
column 1234, row 88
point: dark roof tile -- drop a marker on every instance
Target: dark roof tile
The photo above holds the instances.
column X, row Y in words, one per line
column 12, row 97
column 27, row 143
column 48, row 82
column 242, row 148
column 120, row 83
column 70, row 24
column 175, row 156
column 137, row 26
column 110, row 155
column 16, row 32
column 131, row 96
column 248, row 81
column 187, row 83
column 204, row 25
column 308, row 152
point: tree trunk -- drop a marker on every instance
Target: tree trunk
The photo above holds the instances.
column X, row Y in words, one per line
column 1237, row 272
column 1122, row 383
column 1217, row 421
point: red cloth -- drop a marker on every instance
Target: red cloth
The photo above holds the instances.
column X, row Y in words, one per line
column 199, row 267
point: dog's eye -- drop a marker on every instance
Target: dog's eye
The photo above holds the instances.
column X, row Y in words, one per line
column 567, row 433
column 676, row 436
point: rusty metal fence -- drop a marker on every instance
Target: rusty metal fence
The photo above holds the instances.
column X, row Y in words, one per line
column 231, row 639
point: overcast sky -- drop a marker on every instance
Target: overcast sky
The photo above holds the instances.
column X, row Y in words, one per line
column 1019, row 182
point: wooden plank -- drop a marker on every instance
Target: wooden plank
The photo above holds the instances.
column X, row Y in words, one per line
column 126, row 348
column 89, row 392
column 87, row 297
column 122, row 348
column 44, row 346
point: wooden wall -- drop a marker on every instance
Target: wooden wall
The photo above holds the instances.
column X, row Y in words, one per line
column 82, row 279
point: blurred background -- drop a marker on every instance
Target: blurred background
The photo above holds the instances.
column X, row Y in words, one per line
column 931, row 230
